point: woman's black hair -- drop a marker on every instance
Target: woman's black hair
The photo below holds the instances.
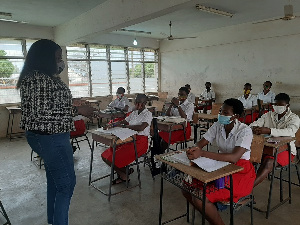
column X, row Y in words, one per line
column 236, row 105
column 185, row 89
column 121, row 89
column 269, row 83
column 248, row 84
column 283, row 97
column 40, row 57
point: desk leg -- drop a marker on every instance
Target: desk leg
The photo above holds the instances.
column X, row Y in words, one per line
column 137, row 165
column 290, row 187
column 161, row 194
column 231, row 200
column 11, row 128
column 112, row 170
column 203, row 203
column 169, row 142
column 184, row 134
column 195, row 133
column 271, row 184
column 8, row 123
column 91, row 163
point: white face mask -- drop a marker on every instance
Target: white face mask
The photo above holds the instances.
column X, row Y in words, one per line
column 279, row 109
column 60, row 66
column 119, row 95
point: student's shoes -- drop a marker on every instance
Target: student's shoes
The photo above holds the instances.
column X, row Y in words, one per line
column 119, row 180
column 130, row 171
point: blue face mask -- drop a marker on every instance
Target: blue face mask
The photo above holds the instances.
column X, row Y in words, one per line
column 225, row 120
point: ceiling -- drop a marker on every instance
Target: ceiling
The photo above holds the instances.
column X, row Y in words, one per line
column 187, row 21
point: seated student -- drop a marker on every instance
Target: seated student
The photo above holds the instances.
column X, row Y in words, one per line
column 209, row 96
column 249, row 102
column 121, row 102
column 139, row 120
column 267, row 96
column 281, row 122
column 233, row 139
column 191, row 96
column 180, row 107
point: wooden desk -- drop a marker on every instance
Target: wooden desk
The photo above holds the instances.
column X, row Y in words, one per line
column 199, row 174
column 169, row 127
column 112, row 141
column 110, row 115
column 210, row 118
column 281, row 142
column 12, row 111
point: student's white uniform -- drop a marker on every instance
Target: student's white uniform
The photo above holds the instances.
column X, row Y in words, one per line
column 241, row 135
column 119, row 103
column 137, row 119
column 208, row 95
column 188, row 109
column 288, row 125
column 191, row 98
column 268, row 98
column 249, row 102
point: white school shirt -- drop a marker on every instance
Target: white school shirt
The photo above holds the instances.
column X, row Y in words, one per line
column 119, row 103
column 137, row 119
column 288, row 125
column 240, row 135
column 208, row 95
column 248, row 102
column 268, row 98
column 191, row 98
column 188, row 109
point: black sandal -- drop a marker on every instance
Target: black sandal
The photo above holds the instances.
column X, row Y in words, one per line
column 119, row 180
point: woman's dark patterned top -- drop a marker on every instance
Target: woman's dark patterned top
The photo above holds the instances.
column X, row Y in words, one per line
column 46, row 104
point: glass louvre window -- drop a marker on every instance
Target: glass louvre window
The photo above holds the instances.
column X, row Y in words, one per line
column 135, row 71
column 98, row 52
column 118, row 76
column 78, row 71
column 151, row 70
column 100, row 78
column 11, row 64
column 117, row 53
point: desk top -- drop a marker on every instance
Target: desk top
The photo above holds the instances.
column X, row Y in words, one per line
column 93, row 100
column 14, row 109
column 108, row 139
column 280, row 141
column 206, row 116
column 200, row 174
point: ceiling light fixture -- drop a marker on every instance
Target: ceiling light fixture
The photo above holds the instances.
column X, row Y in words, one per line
column 136, row 31
column 213, row 10
column 12, row 21
column 135, row 41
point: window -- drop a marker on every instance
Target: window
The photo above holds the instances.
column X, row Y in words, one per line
column 110, row 67
column 78, row 71
column 11, row 64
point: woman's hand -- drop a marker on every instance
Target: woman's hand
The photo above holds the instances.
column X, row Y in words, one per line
column 194, row 153
column 261, row 130
column 175, row 101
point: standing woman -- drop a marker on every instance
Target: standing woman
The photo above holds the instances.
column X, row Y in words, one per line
column 46, row 117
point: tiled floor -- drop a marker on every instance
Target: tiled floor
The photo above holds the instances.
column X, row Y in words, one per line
column 23, row 193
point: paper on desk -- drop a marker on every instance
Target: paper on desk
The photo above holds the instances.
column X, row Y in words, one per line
column 209, row 165
column 122, row 133
column 178, row 157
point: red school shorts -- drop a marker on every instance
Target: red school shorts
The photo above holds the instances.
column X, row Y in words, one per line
column 176, row 135
column 125, row 153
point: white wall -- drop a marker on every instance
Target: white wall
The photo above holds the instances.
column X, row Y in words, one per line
column 230, row 57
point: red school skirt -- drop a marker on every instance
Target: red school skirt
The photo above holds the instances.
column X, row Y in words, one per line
column 282, row 157
column 248, row 119
column 125, row 153
column 242, row 184
column 177, row 135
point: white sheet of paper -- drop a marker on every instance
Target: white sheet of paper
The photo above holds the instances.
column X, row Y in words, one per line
column 120, row 132
column 180, row 157
column 209, row 165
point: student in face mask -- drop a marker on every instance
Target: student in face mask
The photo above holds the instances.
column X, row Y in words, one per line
column 180, row 107
column 121, row 102
column 281, row 122
column 233, row 139
column 208, row 97
column 267, row 96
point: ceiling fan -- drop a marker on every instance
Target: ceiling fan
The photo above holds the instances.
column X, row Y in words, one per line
column 170, row 37
column 288, row 15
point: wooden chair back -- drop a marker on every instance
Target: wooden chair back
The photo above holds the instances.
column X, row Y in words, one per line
column 158, row 105
column 257, row 148
column 196, row 101
column 162, row 94
column 215, row 108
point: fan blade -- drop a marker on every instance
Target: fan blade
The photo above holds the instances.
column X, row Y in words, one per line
column 264, row 21
column 183, row 38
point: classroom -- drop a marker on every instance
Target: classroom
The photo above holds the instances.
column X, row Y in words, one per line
column 125, row 64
